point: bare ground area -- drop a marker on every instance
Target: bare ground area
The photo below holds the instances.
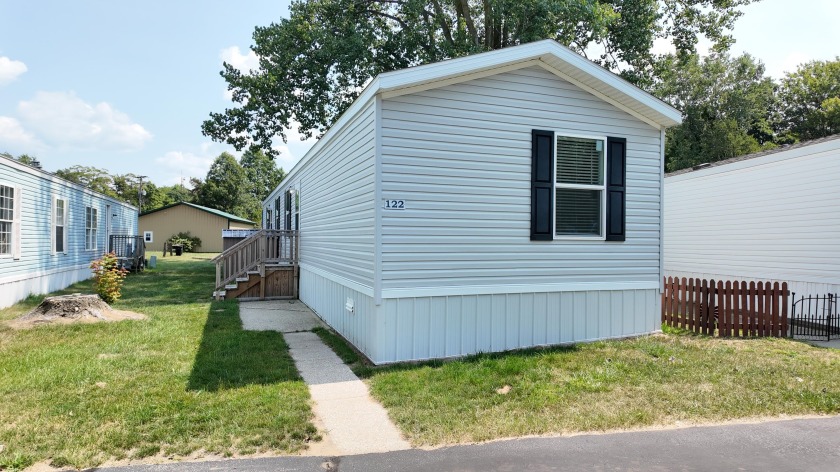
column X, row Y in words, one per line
column 75, row 308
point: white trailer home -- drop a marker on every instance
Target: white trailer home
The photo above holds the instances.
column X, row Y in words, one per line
column 487, row 203
column 773, row 215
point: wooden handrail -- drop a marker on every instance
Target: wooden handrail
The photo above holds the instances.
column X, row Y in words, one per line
column 267, row 246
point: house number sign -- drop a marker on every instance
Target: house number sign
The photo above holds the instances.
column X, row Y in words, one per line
column 395, row 204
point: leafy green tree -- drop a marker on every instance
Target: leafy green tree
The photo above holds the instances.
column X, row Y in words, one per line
column 225, row 187
column 316, row 62
column 726, row 103
column 809, row 100
column 263, row 176
column 174, row 194
column 94, row 178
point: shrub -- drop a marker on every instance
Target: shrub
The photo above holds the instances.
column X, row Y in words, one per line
column 108, row 277
column 187, row 240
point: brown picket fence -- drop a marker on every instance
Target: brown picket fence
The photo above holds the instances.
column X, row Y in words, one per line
column 726, row 309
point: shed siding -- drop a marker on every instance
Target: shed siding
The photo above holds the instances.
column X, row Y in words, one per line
column 201, row 224
column 773, row 217
column 38, row 270
column 460, row 157
column 436, row 327
column 336, row 203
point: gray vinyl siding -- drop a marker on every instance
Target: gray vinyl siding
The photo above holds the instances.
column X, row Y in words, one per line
column 36, row 258
column 336, row 203
column 460, row 157
column 772, row 217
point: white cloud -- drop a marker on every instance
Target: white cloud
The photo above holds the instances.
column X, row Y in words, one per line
column 15, row 138
column 791, row 61
column 184, row 165
column 10, row 70
column 244, row 62
column 64, row 120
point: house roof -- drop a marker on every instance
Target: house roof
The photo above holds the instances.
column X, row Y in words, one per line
column 548, row 54
column 747, row 157
column 54, row 178
column 213, row 211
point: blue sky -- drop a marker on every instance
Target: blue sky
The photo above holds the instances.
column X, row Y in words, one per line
column 125, row 86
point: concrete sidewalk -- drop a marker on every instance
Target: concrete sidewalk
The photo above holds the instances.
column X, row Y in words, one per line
column 349, row 419
column 776, row 446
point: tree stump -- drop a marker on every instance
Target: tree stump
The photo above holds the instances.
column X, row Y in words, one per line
column 76, row 308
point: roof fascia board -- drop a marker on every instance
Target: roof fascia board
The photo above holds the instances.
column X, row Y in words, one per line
column 616, row 82
column 58, row 180
column 459, row 79
column 346, row 118
column 600, row 95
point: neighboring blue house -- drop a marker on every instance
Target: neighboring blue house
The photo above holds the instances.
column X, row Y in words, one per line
column 51, row 229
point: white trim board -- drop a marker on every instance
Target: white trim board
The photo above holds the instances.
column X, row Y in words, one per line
column 414, row 292
column 34, row 275
column 351, row 284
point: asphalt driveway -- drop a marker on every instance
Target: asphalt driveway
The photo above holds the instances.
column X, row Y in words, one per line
column 805, row 444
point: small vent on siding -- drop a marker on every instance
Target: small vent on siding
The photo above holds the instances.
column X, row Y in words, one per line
column 578, row 212
column 579, row 161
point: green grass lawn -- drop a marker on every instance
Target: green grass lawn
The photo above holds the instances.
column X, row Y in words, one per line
column 187, row 380
column 648, row 381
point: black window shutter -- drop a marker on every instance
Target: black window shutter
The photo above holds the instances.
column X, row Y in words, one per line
column 288, row 209
column 542, row 182
column 277, row 212
column 616, row 188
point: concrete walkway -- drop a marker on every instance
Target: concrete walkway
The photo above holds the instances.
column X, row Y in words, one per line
column 350, row 420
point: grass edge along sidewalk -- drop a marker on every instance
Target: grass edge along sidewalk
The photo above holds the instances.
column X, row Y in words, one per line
column 186, row 381
column 657, row 380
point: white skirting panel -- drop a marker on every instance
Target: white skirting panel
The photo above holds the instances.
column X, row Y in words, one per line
column 328, row 299
column 15, row 291
column 451, row 326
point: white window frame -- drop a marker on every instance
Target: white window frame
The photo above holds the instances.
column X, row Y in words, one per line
column 54, row 225
column 148, row 236
column 602, row 188
column 91, row 232
column 269, row 214
column 14, row 244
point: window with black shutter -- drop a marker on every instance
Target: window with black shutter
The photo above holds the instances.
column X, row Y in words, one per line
column 572, row 194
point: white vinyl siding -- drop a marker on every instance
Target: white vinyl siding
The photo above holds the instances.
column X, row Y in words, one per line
column 460, row 158
column 336, row 212
column 773, row 217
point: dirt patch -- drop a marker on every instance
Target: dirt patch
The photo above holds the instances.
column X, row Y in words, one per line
column 76, row 308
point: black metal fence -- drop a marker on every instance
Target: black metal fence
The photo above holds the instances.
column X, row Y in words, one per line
column 815, row 317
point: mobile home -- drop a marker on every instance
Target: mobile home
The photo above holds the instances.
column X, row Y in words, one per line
column 492, row 202
column 771, row 216
column 51, row 229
